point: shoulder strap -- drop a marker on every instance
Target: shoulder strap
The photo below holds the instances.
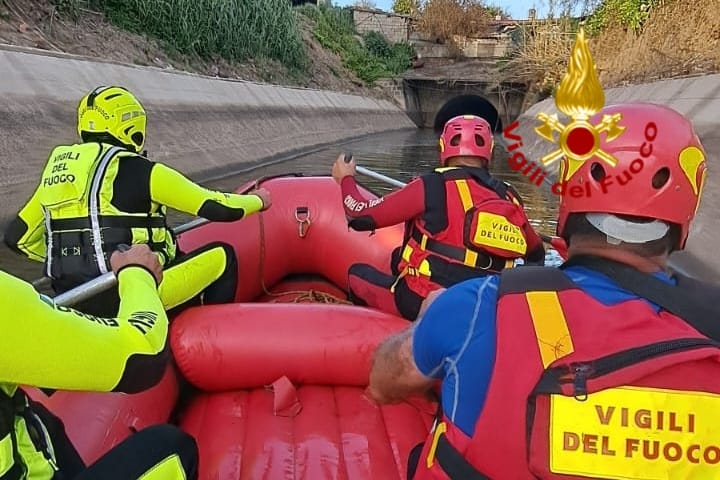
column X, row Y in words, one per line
column 483, row 177
column 515, row 194
column 533, row 278
column 692, row 300
column 480, row 175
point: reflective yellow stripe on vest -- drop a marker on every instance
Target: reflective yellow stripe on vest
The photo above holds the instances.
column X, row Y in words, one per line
column 471, row 257
column 551, row 329
column 467, row 203
column 6, row 454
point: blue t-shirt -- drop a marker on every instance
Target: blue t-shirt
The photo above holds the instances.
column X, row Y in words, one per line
column 455, row 339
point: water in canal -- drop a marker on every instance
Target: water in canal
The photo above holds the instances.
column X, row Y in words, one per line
column 401, row 155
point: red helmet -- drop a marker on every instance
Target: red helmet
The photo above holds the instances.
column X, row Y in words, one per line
column 466, row 135
column 660, row 170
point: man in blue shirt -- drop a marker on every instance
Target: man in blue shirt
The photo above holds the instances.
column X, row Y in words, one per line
column 619, row 234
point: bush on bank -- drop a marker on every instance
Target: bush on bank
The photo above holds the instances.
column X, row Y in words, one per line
column 372, row 58
column 631, row 41
column 234, row 30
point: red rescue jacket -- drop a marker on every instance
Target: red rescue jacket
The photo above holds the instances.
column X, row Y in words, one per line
column 473, row 225
column 584, row 390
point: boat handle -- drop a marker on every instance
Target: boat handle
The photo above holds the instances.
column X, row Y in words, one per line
column 302, row 216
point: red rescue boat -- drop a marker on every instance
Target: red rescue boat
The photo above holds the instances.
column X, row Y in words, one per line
column 272, row 386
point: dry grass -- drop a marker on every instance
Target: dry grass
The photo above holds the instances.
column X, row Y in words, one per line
column 680, row 37
column 542, row 57
column 442, row 19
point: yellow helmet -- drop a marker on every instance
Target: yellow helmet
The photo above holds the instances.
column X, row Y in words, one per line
column 112, row 111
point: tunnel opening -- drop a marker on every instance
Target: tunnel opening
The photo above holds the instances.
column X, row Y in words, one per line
column 468, row 105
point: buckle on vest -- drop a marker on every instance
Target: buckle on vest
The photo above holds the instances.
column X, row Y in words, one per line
column 439, row 430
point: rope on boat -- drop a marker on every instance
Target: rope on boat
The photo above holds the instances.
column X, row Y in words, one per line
column 301, row 296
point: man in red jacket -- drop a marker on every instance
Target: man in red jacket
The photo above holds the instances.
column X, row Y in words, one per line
column 604, row 368
column 460, row 223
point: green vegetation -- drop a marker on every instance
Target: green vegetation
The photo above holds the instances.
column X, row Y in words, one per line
column 371, row 59
column 406, row 7
column 628, row 13
column 234, row 30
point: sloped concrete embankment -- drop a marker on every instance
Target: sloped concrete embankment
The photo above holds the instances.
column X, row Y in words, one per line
column 202, row 126
column 699, row 99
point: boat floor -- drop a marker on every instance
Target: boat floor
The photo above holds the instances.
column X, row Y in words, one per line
column 312, row 432
column 273, row 432
column 321, row 432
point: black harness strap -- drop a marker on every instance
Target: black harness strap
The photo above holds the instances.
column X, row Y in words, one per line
column 108, row 221
column 453, row 463
column 690, row 299
column 483, row 262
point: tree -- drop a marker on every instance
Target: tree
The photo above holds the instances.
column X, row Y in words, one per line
column 406, row 7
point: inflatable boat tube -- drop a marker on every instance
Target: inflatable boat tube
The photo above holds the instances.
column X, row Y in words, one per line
column 226, row 347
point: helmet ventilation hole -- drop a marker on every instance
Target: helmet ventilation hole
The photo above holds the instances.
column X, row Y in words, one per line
column 661, row 178
column 455, row 141
column 597, row 171
column 480, row 141
column 137, row 137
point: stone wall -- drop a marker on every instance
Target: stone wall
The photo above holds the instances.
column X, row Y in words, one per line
column 396, row 28
column 394, row 86
column 493, row 47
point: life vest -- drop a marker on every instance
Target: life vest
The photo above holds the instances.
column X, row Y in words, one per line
column 472, row 225
column 584, row 390
column 26, row 450
column 83, row 226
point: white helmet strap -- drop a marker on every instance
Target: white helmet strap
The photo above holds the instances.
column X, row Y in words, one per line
column 619, row 230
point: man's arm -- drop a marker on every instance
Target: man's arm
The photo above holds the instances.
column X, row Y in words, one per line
column 412, row 360
column 49, row 346
column 25, row 234
column 169, row 187
column 394, row 374
column 396, row 207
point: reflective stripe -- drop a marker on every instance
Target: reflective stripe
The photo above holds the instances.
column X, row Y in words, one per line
column 423, row 242
column 551, row 329
column 6, row 454
column 49, row 248
column 170, row 468
column 407, row 251
column 94, row 207
column 470, row 258
column 464, row 191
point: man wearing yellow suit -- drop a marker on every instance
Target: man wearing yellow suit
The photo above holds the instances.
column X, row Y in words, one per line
column 98, row 194
column 61, row 351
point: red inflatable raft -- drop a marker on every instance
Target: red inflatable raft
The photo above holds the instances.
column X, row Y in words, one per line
column 276, row 380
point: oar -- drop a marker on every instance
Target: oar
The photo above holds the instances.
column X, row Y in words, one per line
column 556, row 242
column 372, row 174
column 106, row 280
